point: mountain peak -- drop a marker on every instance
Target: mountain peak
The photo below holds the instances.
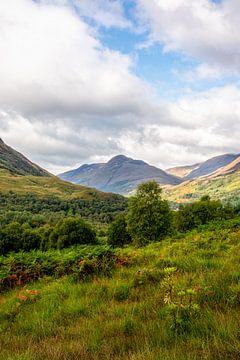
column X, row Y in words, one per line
column 118, row 159
column 120, row 174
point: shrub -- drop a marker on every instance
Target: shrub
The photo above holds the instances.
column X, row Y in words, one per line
column 117, row 232
column 31, row 240
column 71, row 231
column 201, row 212
column 81, row 262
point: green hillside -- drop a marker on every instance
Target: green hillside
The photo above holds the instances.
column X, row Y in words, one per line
column 47, row 186
column 17, row 163
column 174, row 300
column 226, row 188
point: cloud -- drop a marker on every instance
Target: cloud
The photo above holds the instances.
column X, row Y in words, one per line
column 202, row 29
column 106, row 13
column 53, row 63
column 66, row 99
column 199, row 127
column 203, row 124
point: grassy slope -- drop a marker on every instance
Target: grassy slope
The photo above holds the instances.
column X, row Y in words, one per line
column 125, row 317
column 44, row 186
column 223, row 187
column 17, row 163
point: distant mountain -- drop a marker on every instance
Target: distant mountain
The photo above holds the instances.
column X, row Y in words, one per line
column 18, row 164
column 233, row 167
column 218, row 177
column 182, row 171
column 212, row 165
column 120, row 175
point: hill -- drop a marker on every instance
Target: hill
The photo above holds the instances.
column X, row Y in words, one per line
column 16, row 163
column 218, row 177
column 120, row 175
column 47, row 186
column 225, row 187
column 206, row 168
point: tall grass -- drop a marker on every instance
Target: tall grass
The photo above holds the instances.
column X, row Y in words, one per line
column 128, row 313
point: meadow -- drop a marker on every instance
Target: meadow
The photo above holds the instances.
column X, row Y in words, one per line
column 175, row 299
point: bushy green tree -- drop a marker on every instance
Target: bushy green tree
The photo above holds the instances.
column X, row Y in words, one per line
column 71, row 231
column 201, row 212
column 10, row 238
column 149, row 217
column 118, row 234
column 31, row 240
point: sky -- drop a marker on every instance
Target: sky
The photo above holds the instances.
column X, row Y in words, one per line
column 84, row 80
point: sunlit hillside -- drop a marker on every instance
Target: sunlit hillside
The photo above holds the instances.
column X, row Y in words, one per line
column 226, row 188
column 47, row 186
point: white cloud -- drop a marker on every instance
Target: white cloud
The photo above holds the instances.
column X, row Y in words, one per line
column 204, row 124
column 201, row 29
column 106, row 13
column 201, row 125
column 52, row 63
column 65, row 99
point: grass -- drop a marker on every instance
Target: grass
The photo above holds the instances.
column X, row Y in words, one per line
column 47, row 186
column 144, row 311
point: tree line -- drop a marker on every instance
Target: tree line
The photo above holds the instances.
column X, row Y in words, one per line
column 148, row 218
column 102, row 210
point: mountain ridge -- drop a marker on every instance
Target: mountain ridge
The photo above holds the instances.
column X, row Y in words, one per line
column 17, row 163
column 210, row 166
column 191, row 177
column 120, row 174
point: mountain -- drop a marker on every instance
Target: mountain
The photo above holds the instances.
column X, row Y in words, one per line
column 212, row 165
column 21, row 176
column 120, row 175
column 229, row 168
column 18, row 164
column 218, row 177
column 182, row 171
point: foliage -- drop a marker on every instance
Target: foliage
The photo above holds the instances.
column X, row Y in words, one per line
column 180, row 305
column 67, row 232
column 72, row 231
column 149, row 217
column 130, row 314
column 201, row 212
column 18, row 269
column 102, row 209
column 118, row 234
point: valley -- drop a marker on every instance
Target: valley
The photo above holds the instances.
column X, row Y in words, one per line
column 87, row 274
